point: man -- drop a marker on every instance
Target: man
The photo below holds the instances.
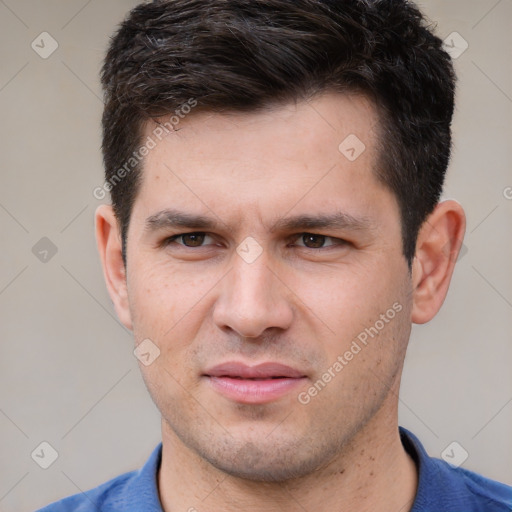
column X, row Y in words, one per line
column 275, row 168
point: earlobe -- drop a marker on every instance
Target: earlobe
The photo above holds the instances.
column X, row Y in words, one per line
column 438, row 245
column 108, row 239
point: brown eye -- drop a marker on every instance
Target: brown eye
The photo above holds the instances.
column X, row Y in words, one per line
column 316, row 241
column 313, row 241
column 193, row 239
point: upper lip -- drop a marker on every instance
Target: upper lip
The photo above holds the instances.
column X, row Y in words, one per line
column 260, row 371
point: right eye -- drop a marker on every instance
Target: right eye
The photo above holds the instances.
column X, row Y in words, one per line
column 193, row 239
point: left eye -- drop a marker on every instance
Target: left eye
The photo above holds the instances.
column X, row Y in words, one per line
column 314, row 241
column 195, row 239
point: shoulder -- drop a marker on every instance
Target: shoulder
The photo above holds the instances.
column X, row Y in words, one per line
column 103, row 497
column 474, row 490
column 442, row 486
column 135, row 490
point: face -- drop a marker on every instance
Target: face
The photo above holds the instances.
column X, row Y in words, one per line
column 264, row 260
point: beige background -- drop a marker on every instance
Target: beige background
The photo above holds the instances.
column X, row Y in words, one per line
column 67, row 373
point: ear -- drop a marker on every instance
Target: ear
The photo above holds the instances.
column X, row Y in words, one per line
column 437, row 248
column 108, row 238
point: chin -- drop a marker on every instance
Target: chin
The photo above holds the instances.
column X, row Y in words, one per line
column 272, row 464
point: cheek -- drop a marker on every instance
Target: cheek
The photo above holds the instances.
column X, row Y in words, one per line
column 156, row 288
column 355, row 302
column 168, row 305
column 343, row 299
column 151, row 297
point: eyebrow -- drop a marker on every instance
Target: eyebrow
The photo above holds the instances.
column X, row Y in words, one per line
column 338, row 220
column 170, row 218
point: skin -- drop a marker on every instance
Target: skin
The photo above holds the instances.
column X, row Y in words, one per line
column 297, row 305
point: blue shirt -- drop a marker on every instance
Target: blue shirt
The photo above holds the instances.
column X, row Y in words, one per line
column 441, row 488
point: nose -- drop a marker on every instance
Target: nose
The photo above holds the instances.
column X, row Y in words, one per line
column 252, row 299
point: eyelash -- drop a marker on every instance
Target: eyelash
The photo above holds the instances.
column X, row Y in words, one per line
column 337, row 241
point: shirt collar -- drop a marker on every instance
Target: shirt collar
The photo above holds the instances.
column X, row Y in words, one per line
column 143, row 493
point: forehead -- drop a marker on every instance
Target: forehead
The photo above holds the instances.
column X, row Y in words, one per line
column 263, row 163
column 323, row 121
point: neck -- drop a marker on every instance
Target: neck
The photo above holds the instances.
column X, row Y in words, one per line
column 373, row 473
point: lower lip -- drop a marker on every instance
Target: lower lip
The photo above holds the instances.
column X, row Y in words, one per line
column 248, row 391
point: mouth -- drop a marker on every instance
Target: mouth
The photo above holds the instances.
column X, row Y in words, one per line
column 263, row 383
